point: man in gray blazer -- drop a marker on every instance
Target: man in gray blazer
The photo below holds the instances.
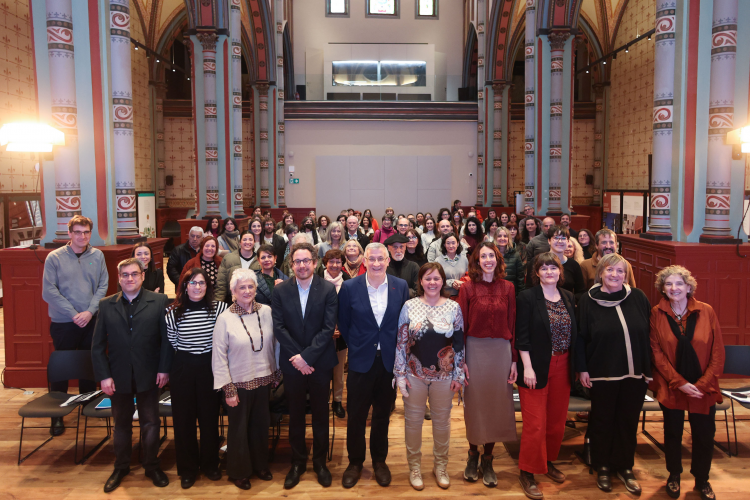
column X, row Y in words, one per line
column 132, row 357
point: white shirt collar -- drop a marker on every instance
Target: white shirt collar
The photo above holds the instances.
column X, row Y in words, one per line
column 367, row 280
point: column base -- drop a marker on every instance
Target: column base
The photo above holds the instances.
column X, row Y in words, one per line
column 130, row 239
column 656, row 236
column 719, row 240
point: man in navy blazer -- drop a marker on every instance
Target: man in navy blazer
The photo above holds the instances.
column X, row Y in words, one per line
column 304, row 319
column 369, row 307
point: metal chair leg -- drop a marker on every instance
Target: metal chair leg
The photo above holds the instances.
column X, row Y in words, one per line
column 648, row 434
column 20, row 444
column 86, row 456
column 728, row 449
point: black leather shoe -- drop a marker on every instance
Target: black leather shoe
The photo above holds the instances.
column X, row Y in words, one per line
column 631, row 483
column 292, row 477
column 338, row 409
column 158, row 477
column 114, row 480
column 187, row 480
column 213, row 475
column 324, row 475
column 604, row 479
column 707, row 493
column 673, row 486
column 57, row 427
column 265, row 475
column 243, row 484
column 351, row 475
column 382, row 473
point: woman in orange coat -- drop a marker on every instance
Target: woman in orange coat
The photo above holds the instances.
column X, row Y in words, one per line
column 688, row 357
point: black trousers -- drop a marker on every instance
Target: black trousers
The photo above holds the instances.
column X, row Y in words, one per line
column 247, row 445
column 191, row 385
column 71, row 337
column 613, row 422
column 296, row 388
column 148, row 416
column 364, row 390
column 702, row 429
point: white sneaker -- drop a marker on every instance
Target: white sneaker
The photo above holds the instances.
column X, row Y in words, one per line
column 415, row 478
column 442, row 477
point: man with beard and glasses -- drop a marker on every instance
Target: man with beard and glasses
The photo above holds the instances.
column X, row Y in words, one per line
column 606, row 243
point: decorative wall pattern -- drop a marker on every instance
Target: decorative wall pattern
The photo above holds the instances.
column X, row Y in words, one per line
column 582, row 161
column 516, row 158
column 631, row 101
column 141, row 108
column 17, row 93
column 248, row 163
column 179, row 153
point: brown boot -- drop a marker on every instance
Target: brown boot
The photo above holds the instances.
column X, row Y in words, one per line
column 554, row 473
column 528, row 483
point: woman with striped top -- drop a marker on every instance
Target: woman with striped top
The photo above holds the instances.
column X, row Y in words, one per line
column 190, row 326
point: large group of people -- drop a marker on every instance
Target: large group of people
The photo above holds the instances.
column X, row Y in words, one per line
column 427, row 306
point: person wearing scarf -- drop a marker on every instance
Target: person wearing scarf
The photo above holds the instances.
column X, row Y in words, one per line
column 333, row 273
column 688, row 357
column 213, row 227
column 613, row 359
column 229, row 240
column 354, row 257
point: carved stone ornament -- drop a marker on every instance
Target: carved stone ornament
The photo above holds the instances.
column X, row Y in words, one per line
column 557, row 39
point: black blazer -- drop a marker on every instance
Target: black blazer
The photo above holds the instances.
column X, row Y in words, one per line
column 313, row 336
column 279, row 247
column 533, row 333
column 138, row 355
column 362, row 239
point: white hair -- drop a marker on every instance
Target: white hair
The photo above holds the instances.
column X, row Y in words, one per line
column 301, row 238
column 242, row 275
column 375, row 246
column 196, row 229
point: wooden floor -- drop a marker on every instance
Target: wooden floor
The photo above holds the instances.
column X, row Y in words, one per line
column 51, row 474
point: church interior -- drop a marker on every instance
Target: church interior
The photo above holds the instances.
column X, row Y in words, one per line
column 627, row 114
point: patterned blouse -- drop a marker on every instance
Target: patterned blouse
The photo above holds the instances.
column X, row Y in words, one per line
column 559, row 322
column 211, row 270
column 430, row 342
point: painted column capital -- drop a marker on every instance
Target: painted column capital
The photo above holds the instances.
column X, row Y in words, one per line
column 208, row 39
column 557, row 39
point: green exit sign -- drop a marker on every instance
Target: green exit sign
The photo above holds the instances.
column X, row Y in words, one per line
column 294, row 180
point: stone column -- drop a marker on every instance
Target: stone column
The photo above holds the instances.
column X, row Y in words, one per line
column 720, row 120
column 263, row 144
column 598, row 143
column 236, row 33
column 660, row 224
column 483, row 184
column 557, row 42
column 64, row 112
column 161, row 171
column 208, row 43
column 278, row 104
column 530, row 104
column 497, row 143
column 122, row 115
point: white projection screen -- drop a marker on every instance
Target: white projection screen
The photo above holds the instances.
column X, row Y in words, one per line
column 409, row 184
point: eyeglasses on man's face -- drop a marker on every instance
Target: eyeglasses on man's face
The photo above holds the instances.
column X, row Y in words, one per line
column 81, row 233
column 302, row 262
column 127, row 276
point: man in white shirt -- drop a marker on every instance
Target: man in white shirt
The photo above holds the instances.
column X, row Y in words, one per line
column 369, row 306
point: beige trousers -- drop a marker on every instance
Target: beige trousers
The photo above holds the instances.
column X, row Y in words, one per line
column 441, row 401
column 338, row 376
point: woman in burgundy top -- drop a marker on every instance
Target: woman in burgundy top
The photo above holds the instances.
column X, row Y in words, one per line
column 488, row 306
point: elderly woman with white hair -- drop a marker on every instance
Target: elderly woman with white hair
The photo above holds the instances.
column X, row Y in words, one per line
column 244, row 367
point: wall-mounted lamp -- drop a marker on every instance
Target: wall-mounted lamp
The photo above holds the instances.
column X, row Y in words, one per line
column 740, row 141
column 30, row 137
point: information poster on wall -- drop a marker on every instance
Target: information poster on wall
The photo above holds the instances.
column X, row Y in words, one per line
column 632, row 213
column 611, row 215
column 147, row 215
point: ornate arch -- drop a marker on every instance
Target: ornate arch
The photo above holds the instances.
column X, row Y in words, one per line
column 262, row 39
column 586, row 29
column 500, row 36
column 469, row 47
column 557, row 14
column 516, row 42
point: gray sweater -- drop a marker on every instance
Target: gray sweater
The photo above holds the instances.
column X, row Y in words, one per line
column 72, row 284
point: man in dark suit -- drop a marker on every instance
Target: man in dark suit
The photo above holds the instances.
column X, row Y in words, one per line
column 369, row 306
column 271, row 238
column 132, row 358
column 353, row 232
column 304, row 319
column 181, row 254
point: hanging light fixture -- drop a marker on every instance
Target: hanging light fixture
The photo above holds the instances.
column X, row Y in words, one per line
column 30, row 137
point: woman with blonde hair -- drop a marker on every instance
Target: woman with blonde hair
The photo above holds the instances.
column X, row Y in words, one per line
column 334, row 239
column 574, row 250
column 354, row 257
column 688, row 358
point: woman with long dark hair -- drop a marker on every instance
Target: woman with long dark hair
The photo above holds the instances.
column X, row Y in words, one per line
column 190, row 326
column 587, row 242
column 473, row 234
column 153, row 277
column 229, row 239
column 213, row 226
column 414, row 251
column 373, row 220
